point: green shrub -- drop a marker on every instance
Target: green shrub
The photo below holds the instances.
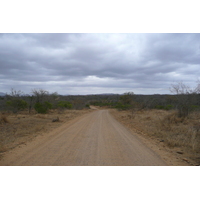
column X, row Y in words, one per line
column 159, row 107
column 48, row 105
column 194, row 107
column 121, row 106
column 87, row 106
column 64, row 104
column 17, row 104
column 43, row 107
column 167, row 107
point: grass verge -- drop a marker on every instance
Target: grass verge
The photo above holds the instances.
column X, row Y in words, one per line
column 23, row 127
column 181, row 135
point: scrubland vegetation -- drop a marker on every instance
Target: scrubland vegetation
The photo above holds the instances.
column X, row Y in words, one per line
column 23, row 117
column 168, row 130
column 174, row 120
column 16, row 129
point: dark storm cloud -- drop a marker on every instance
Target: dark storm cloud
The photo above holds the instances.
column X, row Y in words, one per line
column 85, row 63
column 181, row 48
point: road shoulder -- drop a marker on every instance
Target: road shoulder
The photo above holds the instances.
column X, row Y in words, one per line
column 170, row 156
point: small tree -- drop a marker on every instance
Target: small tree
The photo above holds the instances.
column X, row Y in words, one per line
column 40, row 95
column 30, row 102
column 15, row 101
column 129, row 102
column 127, row 98
column 43, row 107
column 78, row 104
column 17, row 105
column 64, row 104
column 185, row 97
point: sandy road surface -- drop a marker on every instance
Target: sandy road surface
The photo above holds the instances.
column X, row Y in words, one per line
column 95, row 139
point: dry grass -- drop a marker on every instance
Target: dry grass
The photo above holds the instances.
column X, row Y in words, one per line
column 3, row 118
column 166, row 127
column 17, row 129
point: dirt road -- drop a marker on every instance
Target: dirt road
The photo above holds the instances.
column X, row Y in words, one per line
column 95, row 139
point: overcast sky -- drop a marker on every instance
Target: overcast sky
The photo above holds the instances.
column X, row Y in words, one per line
column 98, row 63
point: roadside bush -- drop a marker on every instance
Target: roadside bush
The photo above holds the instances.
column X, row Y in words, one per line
column 167, row 107
column 43, row 107
column 17, row 104
column 3, row 119
column 185, row 98
column 48, row 105
column 64, row 104
column 159, row 107
column 194, row 107
column 121, row 106
column 87, row 106
column 127, row 98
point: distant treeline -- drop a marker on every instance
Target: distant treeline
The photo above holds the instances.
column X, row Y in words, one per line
column 40, row 101
column 184, row 100
column 183, row 103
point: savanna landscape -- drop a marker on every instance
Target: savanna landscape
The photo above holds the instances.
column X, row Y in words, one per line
column 167, row 124
column 117, row 99
column 99, row 100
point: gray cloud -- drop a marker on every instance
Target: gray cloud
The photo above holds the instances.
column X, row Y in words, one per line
column 95, row 63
